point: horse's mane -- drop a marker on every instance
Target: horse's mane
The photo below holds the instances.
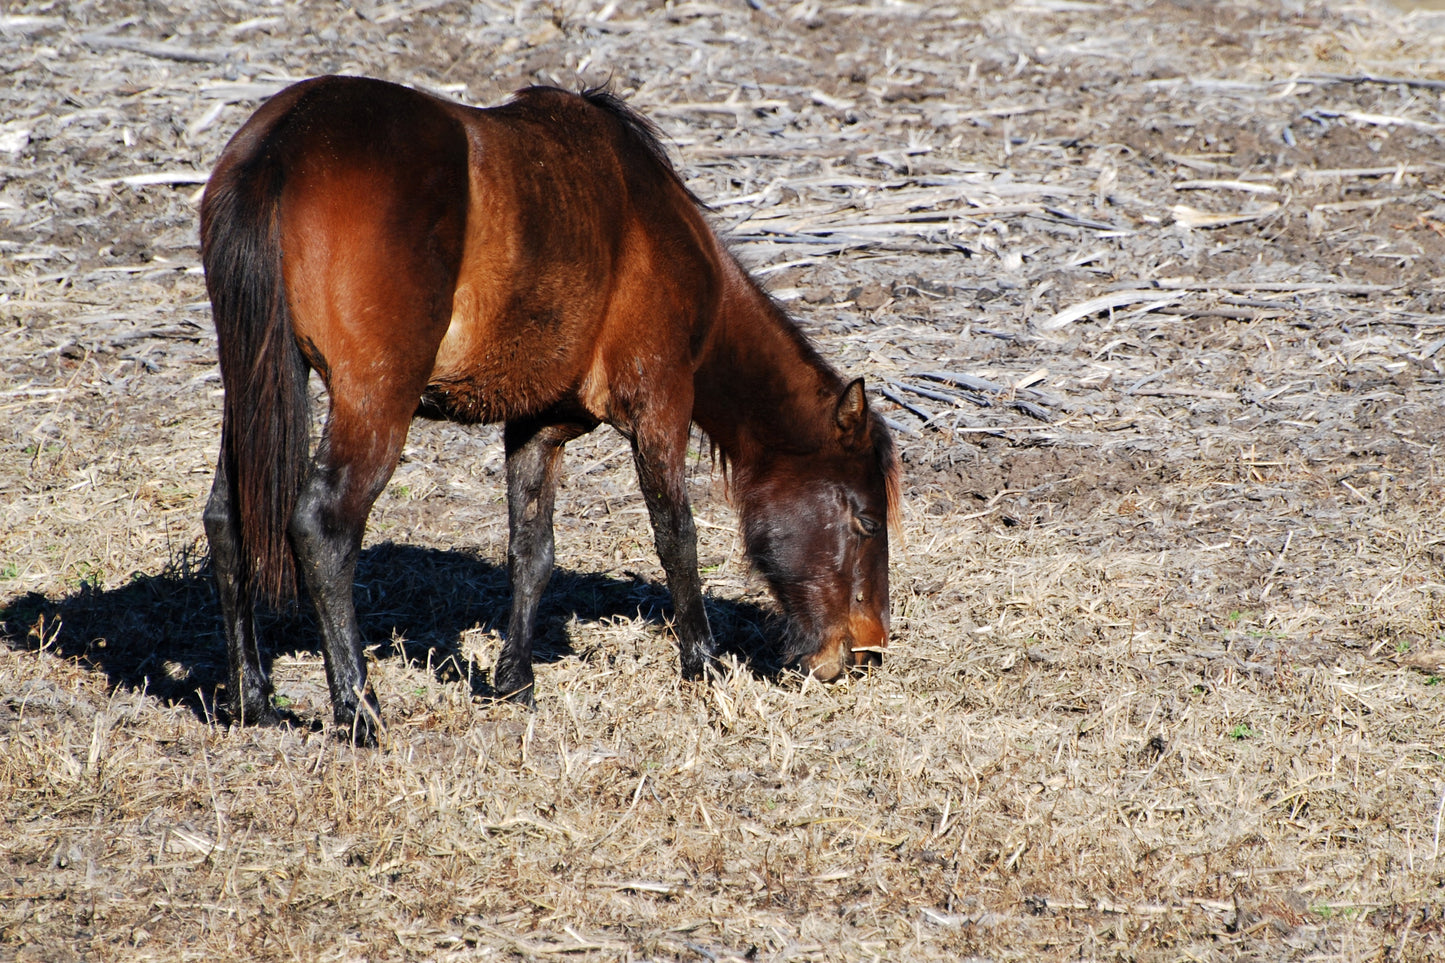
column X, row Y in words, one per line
column 649, row 137
column 887, row 455
column 641, row 129
column 646, row 132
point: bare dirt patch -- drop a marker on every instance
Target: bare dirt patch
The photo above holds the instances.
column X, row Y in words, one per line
column 1149, row 290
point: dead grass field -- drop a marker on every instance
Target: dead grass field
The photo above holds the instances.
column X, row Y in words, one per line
column 1166, row 676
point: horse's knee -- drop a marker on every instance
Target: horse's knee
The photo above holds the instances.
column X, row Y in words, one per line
column 531, row 560
column 216, row 513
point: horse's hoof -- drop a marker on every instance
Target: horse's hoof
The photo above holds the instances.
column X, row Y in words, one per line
column 360, row 732
column 704, row 669
column 257, row 714
column 515, row 684
column 360, row 726
column 363, row 736
column 523, row 696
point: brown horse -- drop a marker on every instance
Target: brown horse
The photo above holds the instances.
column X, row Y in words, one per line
column 540, row 264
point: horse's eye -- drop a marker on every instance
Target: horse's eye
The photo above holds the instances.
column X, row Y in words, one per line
column 866, row 526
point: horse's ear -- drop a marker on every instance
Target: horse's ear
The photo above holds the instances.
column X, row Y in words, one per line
column 851, row 415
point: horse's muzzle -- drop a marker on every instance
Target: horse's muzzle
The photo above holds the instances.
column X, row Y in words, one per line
column 862, row 645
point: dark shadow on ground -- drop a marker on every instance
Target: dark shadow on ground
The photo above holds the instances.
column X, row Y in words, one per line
column 162, row 633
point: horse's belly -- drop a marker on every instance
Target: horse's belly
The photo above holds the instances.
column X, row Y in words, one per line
column 494, row 367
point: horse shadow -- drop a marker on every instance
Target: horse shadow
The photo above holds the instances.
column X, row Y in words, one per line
column 162, row 634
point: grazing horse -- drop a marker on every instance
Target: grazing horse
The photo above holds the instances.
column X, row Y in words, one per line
column 540, row 264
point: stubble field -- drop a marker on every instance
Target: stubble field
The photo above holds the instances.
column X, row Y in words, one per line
column 1150, row 293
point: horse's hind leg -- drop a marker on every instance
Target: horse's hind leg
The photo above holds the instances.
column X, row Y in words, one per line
column 248, row 683
column 353, row 464
column 534, row 453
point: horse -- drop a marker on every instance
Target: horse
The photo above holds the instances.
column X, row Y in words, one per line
column 541, row 264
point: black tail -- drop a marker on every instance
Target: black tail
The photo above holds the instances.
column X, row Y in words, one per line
column 265, row 421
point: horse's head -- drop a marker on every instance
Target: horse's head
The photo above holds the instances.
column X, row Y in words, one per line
column 816, row 526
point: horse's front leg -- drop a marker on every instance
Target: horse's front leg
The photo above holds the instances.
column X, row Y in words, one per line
column 534, row 454
column 248, row 683
column 660, row 457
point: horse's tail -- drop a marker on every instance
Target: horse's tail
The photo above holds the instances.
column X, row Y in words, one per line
column 265, row 420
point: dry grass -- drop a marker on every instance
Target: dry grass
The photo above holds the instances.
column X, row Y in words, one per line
column 1164, row 681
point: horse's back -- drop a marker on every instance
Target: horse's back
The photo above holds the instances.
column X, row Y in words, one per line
column 540, row 240
column 495, row 262
column 581, row 244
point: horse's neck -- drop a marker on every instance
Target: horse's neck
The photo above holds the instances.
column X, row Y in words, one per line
column 761, row 387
